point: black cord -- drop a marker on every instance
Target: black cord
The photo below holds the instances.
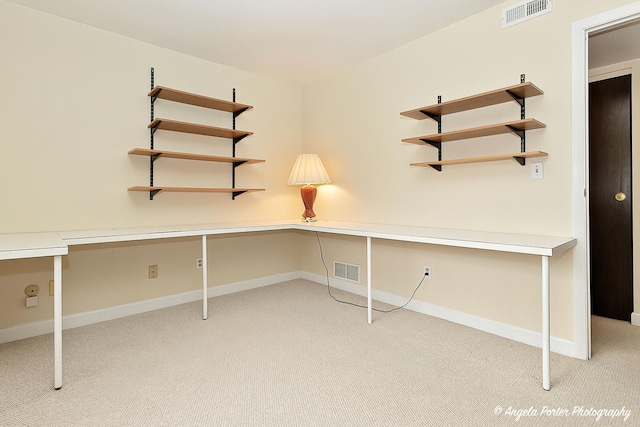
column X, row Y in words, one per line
column 359, row 305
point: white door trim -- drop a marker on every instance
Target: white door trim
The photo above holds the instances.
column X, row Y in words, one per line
column 579, row 52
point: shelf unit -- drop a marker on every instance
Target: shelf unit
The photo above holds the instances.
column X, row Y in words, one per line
column 169, row 94
column 517, row 93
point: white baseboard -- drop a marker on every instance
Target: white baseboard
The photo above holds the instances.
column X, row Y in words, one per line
column 533, row 338
column 515, row 333
column 635, row 319
column 33, row 329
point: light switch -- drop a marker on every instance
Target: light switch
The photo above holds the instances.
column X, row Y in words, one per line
column 536, row 171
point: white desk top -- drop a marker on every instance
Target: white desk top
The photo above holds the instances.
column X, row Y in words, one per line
column 31, row 245
column 515, row 243
column 28, row 245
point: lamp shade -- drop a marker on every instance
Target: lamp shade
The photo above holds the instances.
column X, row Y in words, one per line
column 308, row 169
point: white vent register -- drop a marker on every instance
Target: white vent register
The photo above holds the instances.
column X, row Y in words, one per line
column 346, row 271
column 524, row 11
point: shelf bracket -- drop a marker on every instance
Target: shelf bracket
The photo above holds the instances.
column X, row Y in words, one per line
column 520, row 160
column 438, row 145
column 520, row 102
column 436, row 117
column 238, row 139
column 153, row 193
column 236, row 194
column 523, row 140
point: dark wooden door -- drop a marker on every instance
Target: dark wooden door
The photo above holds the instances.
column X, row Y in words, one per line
column 610, row 219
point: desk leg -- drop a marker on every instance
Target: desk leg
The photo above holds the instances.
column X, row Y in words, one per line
column 57, row 322
column 205, row 286
column 369, row 304
column 546, row 329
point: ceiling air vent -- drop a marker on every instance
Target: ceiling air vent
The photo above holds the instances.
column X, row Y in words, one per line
column 524, row 11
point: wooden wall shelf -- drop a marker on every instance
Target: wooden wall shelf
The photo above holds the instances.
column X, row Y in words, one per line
column 517, row 93
column 514, row 156
column 192, row 156
column 494, row 97
column 158, row 189
column 477, row 132
column 197, row 100
column 198, row 129
column 169, row 94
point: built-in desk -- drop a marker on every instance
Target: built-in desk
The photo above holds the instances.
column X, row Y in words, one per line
column 35, row 245
column 56, row 244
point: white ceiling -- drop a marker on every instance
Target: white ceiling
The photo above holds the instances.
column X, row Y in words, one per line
column 295, row 40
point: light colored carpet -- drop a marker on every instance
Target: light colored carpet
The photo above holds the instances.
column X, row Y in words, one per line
column 288, row 355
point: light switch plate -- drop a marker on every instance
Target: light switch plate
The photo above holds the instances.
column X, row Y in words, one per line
column 536, row 171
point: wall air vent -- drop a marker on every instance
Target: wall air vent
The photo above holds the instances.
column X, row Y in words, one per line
column 524, row 11
column 346, row 271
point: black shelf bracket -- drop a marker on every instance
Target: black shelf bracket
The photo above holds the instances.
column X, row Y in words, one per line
column 153, row 193
column 436, row 117
column 438, row 145
column 523, row 141
column 520, row 160
column 237, row 193
column 437, row 167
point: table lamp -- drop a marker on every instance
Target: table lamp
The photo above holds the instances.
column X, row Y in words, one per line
column 307, row 171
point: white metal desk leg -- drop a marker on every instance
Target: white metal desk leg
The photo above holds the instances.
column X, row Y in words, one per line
column 205, row 286
column 369, row 305
column 57, row 322
column 546, row 323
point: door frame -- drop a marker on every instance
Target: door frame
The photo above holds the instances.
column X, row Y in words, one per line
column 580, row 32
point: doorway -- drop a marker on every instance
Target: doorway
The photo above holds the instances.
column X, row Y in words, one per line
column 581, row 32
column 610, row 198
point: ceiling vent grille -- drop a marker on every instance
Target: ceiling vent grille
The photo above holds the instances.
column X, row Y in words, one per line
column 524, row 11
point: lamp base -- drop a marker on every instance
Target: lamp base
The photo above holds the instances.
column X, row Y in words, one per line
column 308, row 193
column 309, row 219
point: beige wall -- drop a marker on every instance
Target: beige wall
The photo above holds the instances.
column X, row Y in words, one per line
column 74, row 102
column 76, row 99
column 373, row 182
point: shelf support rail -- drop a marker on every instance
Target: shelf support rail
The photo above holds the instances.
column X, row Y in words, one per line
column 235, row 141
column 521, row 133
column 152, row 131
column 438, row 145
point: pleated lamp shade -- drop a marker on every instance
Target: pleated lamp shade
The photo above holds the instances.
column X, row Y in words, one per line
column 308, row 169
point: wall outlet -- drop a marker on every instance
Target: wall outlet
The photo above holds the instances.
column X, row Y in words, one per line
column 428, row 271
column 153, row 272
column 31, row 301
column 198, row 263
